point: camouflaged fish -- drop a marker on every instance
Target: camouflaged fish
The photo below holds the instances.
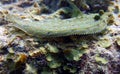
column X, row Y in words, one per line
column 85, row 24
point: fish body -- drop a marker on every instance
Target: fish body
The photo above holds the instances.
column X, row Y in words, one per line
column 56, row 27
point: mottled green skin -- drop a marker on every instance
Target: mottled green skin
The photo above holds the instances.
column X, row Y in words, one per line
column 55, row 27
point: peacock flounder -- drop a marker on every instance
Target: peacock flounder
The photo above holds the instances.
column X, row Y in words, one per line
column 85, row 24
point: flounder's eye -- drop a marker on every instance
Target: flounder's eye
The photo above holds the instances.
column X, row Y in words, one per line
column 97, row 17
column 101, row 12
